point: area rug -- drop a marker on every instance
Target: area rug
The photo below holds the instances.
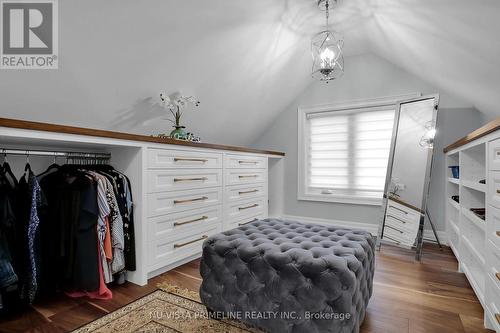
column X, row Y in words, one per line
column 169, row 309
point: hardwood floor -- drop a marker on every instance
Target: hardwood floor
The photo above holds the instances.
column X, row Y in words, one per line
column 425, row 297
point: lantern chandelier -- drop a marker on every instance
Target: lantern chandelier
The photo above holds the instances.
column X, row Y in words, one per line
column 326, row 49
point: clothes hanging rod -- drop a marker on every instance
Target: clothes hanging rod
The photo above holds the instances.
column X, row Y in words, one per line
column 75, row 155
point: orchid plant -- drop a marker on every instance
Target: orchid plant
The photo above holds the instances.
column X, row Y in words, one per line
column 175, row 103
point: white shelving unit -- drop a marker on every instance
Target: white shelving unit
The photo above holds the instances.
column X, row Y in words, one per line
column 476, row 241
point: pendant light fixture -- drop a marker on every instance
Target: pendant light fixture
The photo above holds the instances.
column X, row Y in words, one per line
column 326, row 49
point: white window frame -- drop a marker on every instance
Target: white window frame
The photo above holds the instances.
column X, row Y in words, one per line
column 306, row 194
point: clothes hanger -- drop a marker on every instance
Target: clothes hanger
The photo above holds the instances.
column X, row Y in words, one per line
column 27, row 167
column 53, row 167
column 7, row 171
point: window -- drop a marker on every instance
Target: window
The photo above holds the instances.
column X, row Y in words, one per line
column 343, row 152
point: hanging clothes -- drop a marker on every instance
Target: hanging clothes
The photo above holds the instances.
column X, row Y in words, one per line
column 65, row 230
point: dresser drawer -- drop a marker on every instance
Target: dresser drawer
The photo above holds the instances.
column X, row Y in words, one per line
column 400, row 224
column 241, row 221
column 398, row 237
column 494, row 154
column 493, row 225
column 167, row 159
column 244, row 162
column 402, row 212
column 243, row 192
column 171, row 202
column 168, row 250
column 188, row 222
column 494, row 188
column 173, row 180
column 246, row 176
column 245, row 208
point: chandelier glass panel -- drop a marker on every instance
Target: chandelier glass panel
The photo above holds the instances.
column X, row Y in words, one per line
column 326, row 49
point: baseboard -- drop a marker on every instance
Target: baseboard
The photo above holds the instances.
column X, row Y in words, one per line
column 429, row 236
column 371, row 228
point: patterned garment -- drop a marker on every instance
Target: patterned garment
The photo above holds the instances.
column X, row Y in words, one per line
column 104, row 211
column 117, row 236
column 29, row 291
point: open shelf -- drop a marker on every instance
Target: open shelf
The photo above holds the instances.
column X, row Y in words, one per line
column 454, row 204
column 479, row 222
column 473, row 164
column 454, row 180
column 475, row 185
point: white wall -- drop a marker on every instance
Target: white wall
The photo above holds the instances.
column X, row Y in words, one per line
column 366, row 76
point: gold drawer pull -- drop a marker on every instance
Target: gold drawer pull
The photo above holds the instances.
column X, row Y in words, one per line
column 391, row 227
column 498, row 191
column 189, row 200
column 497, row 276
column 240, row 224
column 498, row 233
column 176, row 246
column 249, row 176
column 248, row 207
column 178, row 159
column 247, row 192
column 497, row 317
column 248, row 162
column 176, row 224
column 201, row 179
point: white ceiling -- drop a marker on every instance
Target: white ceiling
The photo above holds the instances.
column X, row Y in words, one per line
column 245, row 60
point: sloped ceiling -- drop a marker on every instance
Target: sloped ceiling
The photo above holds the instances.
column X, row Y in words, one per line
column 245, row 60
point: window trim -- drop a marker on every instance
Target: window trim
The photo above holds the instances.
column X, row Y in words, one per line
column 303, row 193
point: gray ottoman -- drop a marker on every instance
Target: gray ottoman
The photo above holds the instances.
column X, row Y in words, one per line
column 286, row 276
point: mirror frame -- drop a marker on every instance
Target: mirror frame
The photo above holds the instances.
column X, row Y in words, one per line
column 425, row 194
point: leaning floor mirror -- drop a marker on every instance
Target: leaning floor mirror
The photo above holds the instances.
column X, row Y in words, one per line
column 408, row 174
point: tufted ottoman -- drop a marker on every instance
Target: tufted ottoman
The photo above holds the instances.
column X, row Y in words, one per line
column 286, row 276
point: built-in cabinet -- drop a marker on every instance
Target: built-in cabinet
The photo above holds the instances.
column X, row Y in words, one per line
column 192, row 195
column 183, row 193
column 474, row 235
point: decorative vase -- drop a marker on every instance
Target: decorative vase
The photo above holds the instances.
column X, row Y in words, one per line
column 178, row 133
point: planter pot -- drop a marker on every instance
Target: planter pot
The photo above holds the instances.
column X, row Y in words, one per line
column 178, row 133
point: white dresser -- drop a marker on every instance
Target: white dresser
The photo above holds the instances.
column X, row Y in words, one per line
column 401, row 224
column 475, row 240
column 193, row 194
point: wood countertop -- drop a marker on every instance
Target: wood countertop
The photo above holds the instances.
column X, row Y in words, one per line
column 490, row 127
column 37, row 126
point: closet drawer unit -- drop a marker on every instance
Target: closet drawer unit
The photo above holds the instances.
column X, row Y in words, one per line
column 247, row 176
column 168, row 250
column 243, row 192
column 245, row 208
column 402, row 212
column 178, row 201
column 244, row 162
column 241, row 221
column 168, row 159
column 188, row 222
column 494, row 154
column 173, row 180
column 493, row 225
column 494, row 188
